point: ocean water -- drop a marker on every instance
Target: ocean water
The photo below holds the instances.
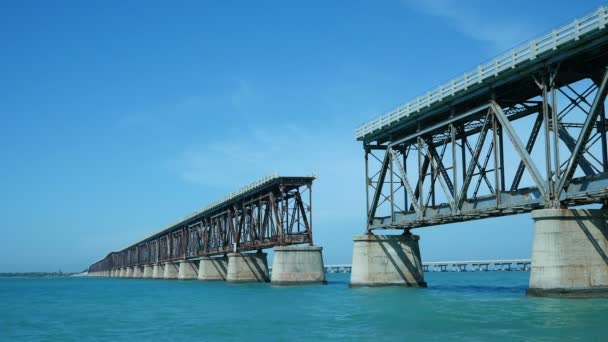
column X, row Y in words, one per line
column 471, row 306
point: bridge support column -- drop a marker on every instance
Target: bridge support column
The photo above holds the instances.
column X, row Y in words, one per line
column 158, row 271
column 298, row 265
column 129, row 272
column 171, row 270
column 148, row 270
column 247, row 267
column 570, row 253
column 212, row 268
column 138, row 271
column 121, row 272
column 380, row 260
column 187, row 270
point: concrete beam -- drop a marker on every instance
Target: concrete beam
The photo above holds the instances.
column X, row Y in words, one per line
column 247, row 267
column 158, row 271
column 148, row 271
column 187, row 270
column 569, row 253
column 212, row 268
column 171, row 270
column 296, row 265
column 380, row 260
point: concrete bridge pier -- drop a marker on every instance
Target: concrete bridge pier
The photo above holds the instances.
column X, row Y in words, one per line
column 212, row 268
column 380, row 260
column 569, row 253
column 129, row 272
column 138, row 271
column 158, row 271
column 247, row 267
column 121, row 272
column 171, row 270
column 187, row 270
column 298, row 265
column 148, row 270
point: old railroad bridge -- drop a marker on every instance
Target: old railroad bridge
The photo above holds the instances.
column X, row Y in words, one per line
column 213, row 243
column 524, row 132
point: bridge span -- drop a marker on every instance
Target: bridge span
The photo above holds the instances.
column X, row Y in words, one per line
column 212, row 244
column 524, row 132
column 455, row 266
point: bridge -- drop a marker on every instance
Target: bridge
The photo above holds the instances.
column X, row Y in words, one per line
column 524, row 132
column 212, row 244
column 455, row 266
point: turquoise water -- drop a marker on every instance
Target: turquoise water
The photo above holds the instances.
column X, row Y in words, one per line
column 456, row 306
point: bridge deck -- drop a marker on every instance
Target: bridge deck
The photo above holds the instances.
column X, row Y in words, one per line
column 581, row 34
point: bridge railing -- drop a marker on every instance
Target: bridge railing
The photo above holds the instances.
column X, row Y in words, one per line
column 509, row 60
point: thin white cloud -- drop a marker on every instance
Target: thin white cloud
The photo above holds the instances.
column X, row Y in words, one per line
column 476, row 22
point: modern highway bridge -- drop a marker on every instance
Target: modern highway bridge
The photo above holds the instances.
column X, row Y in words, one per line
column 523, row 132
column 455, row 266
column 210, row 244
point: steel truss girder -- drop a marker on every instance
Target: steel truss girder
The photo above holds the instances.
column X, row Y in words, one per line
column 558, row 188
column 278, row 216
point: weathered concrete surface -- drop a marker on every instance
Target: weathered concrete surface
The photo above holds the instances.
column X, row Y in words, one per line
column 212, row 268
column 171, row 270
column 129, row 272
column 158, row 271
column 247, row 267
column 570, row 253
column 122, row 272
column 187, row 270
column 380, row 260
column 298, row 265
column 148, row 270
column 138, row 271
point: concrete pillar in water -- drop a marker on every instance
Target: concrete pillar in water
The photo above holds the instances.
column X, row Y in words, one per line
column 123, row 272
column 380, row 260
column 247, row 267
column 187, row 270
column 158, row 271
column 569, row 253
column 212, row 268
column 138, row 271
column 129, row 272
column 171, row 270
column 148, row 269
column 298, row 265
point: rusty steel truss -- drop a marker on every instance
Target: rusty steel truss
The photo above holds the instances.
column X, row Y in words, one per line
column 532, row 136
column 275, row 211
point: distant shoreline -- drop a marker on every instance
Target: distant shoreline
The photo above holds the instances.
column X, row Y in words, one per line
column 36, row 274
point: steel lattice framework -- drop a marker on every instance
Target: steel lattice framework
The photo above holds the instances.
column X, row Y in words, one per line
column 275, row 211
column 529, row 136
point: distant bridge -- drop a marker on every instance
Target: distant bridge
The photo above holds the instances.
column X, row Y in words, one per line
column 274, row 211
column 455, row 266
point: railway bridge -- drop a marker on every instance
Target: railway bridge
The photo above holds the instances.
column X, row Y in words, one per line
column 524, row 132
column 226, row 239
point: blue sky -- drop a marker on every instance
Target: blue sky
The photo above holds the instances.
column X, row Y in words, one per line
column 119, row 118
